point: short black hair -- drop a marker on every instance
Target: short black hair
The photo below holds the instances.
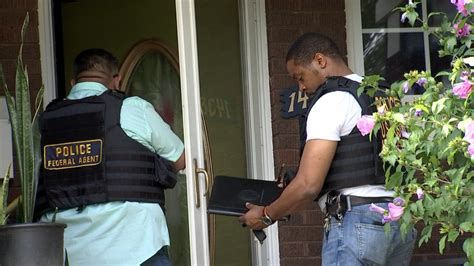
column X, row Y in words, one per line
column 304, row 48
column 95, row 59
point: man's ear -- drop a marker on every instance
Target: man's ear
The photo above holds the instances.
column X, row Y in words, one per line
column 116, row 80
column 72, row 82
column 320, row 59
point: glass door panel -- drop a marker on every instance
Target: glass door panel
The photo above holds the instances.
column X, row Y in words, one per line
column 150, row 71
column 220, row 75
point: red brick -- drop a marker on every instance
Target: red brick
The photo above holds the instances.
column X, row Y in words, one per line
column 296, row 218
column 281, row 81
column 303, row 261
column 299, row 233
column 278, row 50
column 283, row 34
column 286, row 126
column 314, row 248
column 8, row 4
column 286, row 156
column 314, row 216
column 334, row 5
column 287, row 141
column 278, row 5
column 289, row 19
column 293, row 249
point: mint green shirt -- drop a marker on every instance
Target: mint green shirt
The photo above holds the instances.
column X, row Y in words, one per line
column 121, row 233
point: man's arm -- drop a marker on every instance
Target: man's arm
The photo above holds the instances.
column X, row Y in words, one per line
column 180, row 164
column 305, row 187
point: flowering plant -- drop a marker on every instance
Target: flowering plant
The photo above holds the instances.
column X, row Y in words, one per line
column 428, row 149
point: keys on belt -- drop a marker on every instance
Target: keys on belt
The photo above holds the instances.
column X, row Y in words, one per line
column 334, row 208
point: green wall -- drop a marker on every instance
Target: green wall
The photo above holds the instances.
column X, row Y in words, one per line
column 117, row 25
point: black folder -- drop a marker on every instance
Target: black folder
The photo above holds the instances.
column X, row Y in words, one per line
column 229, row 194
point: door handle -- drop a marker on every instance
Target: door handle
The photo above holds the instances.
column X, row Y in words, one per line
column 198, row 171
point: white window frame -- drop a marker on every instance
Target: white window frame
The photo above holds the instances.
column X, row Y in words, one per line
column 355, row 49
column 354, row 31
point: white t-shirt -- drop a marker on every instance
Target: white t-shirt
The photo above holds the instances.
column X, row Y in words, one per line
column 335, row 114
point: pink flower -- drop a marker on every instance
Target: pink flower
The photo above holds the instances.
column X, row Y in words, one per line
column 404, row 17
column 398, row 201
column 405, row 134
column 461, row 6
column 469, row 133
column 365, row 124
column 419, row 193
column 462, row 89
column 405, row 87
column 395, row 211
column 421, row 82
column 377, row 209
column 470, row 149
column 464, row 31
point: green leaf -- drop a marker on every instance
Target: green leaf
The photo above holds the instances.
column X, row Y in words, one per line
column 450, row 43
column 442, row 244
column 467, row 227
column 399, row 118
column 438, row 106
column 468, row 247
column 420, row 208
column 412, row 15
column 19, row 110
column 387, row 229
column 425, row 234
column 453, row 235
column 4, row 197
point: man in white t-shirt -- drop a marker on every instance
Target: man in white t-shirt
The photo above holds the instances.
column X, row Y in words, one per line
column 337, row 161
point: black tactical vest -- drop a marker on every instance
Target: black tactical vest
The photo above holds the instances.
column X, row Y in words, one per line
column 356, row 161
column 87, row 158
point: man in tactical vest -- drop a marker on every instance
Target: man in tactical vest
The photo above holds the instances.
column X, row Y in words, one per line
column 106, row 162
column 339, row 167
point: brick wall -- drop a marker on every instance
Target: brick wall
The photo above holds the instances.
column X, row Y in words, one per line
column 12, row 14
column 301, row 237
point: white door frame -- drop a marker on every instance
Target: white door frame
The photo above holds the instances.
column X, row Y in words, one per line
column 46, row 42
column 257, row 111
column 257, row 108
column 193, row 135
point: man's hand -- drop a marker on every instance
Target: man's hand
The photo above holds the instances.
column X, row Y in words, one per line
column 253, row 217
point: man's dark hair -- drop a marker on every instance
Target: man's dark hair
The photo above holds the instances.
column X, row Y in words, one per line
column 304, row 48
column 95, row 59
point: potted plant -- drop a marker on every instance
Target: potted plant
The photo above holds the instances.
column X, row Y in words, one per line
column 26, row 243
column 428, row 149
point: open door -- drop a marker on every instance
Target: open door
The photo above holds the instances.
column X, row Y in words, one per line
column 150, row 71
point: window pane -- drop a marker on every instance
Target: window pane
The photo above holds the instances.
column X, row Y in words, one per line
column 379, row 14
column 393, row 54
column 438, row 64
column 440, row 6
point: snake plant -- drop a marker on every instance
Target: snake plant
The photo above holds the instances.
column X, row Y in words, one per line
column 24, row 132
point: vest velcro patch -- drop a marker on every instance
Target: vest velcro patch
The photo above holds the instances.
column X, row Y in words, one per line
column 72, row 154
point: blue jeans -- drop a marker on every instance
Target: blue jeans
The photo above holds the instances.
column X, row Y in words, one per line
column 360, row 240
column 160, row 258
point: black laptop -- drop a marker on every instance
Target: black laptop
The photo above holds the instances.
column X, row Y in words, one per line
column 229, row 194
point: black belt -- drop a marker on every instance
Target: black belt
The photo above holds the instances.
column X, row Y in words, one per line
column 352, row 201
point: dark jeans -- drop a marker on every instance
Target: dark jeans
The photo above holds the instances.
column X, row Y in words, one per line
column 160, row 258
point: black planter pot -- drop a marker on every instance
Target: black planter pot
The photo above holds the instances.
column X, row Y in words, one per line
column 32, row 244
